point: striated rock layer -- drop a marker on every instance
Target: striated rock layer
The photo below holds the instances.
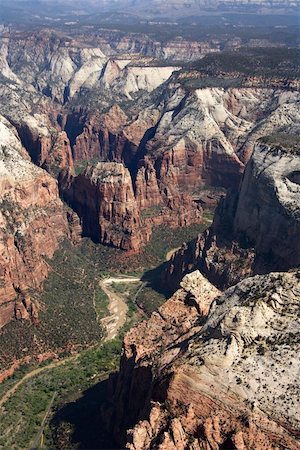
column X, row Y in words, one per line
column 213, row 372
column 103, row 198
column 32, row 221
column 110, row 211
column 188, row 138
column 179, row 139
column 255, row 230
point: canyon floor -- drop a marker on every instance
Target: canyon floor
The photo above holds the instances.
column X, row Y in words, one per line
column 25, row 397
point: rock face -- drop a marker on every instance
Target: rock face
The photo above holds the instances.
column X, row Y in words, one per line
column 192, row 138
column 128, row 78
column 103, row 198
column 268, row 208
column 256, row 230
column 31, row 215
column 73, row 103
column 34, row 118
column 192, row 380
column 111, row 213
column 76, row 103
column 60, row 68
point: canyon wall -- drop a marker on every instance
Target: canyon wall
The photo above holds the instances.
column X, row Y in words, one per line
column 32, row 222
column 192, row 138
column 97, row 116
column 112, row 214
column 73, row 103
column 212, row 371
column 103, row 198
column 255, row 230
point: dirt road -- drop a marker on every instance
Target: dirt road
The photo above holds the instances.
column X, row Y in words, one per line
column 33, row 373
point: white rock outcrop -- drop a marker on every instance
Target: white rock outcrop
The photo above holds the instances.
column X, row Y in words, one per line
column 250, row 343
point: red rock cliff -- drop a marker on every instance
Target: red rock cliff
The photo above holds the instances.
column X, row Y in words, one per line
column 103, row 198
column 256, row 230
column 32, row 221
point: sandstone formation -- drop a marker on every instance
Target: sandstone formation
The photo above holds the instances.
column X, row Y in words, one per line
column 34, row 118
column 255, row 230
column 60, row 67
column 175, row 135
column 103, row 198
column 223, row 379
column 32, row 221
column 208, row 127
column 78, row 102
column 192, row 138
column 111, row 213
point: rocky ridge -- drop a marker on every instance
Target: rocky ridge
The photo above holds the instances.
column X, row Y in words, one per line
column 60, row 66
column 111, row 212
column 104, row 199
column 201, row 135
column 184, row 132
column 78, row 103
column 213, row 371
column 181, row 142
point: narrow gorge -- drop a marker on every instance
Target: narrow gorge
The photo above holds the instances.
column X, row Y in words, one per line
column 149, row 232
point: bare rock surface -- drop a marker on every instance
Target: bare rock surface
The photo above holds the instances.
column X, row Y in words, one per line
column 218, row 381
column 31, row 214
column 256, row 230
column 104, row 200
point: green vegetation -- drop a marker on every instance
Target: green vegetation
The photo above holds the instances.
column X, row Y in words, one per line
column 128, row 292
column 149, row 299
column 67, row 315
column 23, row 413
column 100, row 303
column 163, row 239
column 81, row 165
column 150, row 212
column 208, row 216
column 69, row 306
column 68, row 320
column 230, row 69
column 9, row 382
column 204, row 28
column 144, row 295
column 254, row 61
column 286, row 142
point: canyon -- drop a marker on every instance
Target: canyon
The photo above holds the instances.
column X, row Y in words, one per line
column 209, row 368
column 133, row 143
column 106, row 138
column 31, row 214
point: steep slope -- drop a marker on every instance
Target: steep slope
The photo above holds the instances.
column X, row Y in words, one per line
column 59, row 66
column 134, row 109
column 176, row 136
column 31, row 215
column 104, row 200
column 223, row 380
column 113, row 214
column 257, row 229
column 34, row 117
column 192, row 137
